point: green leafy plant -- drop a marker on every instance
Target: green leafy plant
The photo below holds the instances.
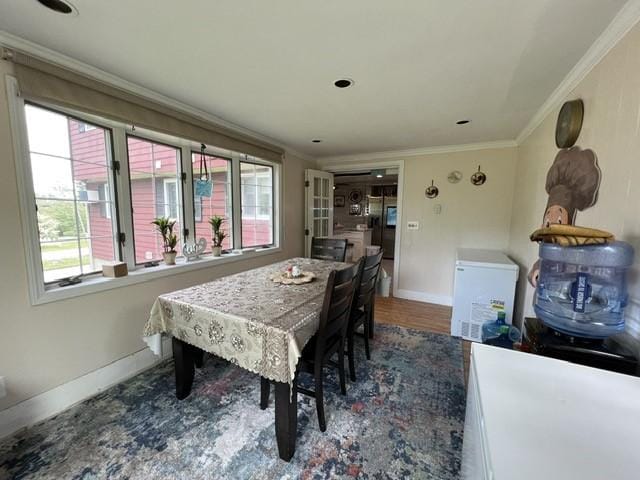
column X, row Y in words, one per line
column 219, row 235
column 165, row 225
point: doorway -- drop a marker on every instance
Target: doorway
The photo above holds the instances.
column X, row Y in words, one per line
column 368, row 198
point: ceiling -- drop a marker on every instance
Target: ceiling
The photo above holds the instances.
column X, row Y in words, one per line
column 269, row 66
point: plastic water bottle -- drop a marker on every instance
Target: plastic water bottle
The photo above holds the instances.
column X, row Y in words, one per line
column 500, row 334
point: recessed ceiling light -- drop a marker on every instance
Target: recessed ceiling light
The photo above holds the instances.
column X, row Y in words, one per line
column 316, row 140
column 59, row 6
column 462, row 122
column 343, row 83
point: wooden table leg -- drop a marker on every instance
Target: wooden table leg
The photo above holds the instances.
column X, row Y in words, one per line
column 184, row 360
column 286, row 420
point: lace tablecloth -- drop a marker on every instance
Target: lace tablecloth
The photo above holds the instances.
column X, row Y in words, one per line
column 246, row 318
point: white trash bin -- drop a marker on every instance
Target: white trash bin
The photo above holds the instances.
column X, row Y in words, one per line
column 384, row 284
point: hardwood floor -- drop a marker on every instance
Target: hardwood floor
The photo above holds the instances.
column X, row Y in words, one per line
column 421, row 316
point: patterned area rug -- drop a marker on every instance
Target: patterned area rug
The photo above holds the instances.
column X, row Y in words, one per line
column 402, row 419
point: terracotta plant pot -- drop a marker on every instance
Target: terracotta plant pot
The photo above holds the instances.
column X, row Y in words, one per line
column 169, row 258
column 217, row 251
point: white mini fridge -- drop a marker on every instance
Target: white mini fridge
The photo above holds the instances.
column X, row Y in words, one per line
column 485, row 283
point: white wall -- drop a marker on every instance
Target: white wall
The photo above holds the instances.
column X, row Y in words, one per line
column 475, row 217
column 45, row 346
column 611, row 127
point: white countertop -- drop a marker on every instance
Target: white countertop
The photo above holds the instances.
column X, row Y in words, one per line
column 550, row 419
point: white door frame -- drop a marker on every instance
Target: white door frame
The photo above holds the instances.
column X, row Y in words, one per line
column 399, row 164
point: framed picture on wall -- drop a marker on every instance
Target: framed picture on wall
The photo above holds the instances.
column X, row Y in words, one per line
column 338, row 201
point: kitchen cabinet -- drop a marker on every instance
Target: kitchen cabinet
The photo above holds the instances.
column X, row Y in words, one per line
column 530, row 417
column 359, row 238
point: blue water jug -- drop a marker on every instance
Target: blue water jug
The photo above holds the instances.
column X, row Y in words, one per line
column 582, row 290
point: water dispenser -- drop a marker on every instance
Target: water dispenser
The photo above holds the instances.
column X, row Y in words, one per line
column 582, row 290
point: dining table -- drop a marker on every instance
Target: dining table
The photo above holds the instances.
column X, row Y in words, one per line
column 250, row 320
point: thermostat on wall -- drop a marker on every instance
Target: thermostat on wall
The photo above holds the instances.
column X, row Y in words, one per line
column 413, row 226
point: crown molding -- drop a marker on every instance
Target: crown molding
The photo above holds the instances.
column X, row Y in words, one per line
column 624, row 20
column 465, row 147
column 17, row 43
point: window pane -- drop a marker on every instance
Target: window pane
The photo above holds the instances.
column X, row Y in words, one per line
column 155, row 179
column 257, row 204
column 69, row 170
column 60, row 259
column 219, row 203
column 48, row 132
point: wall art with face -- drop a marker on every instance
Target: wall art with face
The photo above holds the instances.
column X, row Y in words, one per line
column 572, row 184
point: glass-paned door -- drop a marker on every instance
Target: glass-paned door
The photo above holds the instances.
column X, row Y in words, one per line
column 319, row 206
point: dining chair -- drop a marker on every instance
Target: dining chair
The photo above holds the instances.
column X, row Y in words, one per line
column 334, row 249
column 329, row 339
column 363, row 307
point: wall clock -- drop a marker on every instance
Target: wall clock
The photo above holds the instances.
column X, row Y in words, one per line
column 355, row 196
column 569, row 123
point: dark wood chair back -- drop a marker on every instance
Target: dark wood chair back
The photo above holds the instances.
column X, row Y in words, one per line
column 334, row 249
column 366, row 289
column 336, row 308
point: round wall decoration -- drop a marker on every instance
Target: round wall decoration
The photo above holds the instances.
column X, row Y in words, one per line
column 432, row 191
column 478, row 178
column 455, row 176
column 569, row 123
column 355, row 196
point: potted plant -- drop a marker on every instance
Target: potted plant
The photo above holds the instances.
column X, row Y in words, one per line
column 218, row 234
column 165, row 225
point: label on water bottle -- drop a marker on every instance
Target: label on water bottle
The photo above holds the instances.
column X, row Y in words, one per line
column 580, row 292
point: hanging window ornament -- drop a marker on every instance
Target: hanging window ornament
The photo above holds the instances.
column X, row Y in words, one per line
column 478, row 178
column 203, row 186
column 432, row 191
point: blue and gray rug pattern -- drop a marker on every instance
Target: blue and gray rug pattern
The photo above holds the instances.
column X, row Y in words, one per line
column 402, row 419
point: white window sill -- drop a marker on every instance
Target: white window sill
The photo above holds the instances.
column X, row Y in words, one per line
column 99, row 283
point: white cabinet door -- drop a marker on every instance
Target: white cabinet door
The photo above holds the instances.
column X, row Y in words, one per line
column 318, row 216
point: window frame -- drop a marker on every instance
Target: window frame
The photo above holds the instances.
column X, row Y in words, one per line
column 121, row 214
column 111, row 186
column 256, row 161
column 229, row 157
column 179, row 180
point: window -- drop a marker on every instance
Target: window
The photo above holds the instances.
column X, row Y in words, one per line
column 256, row 189
column 219, row 203
column 97, row 185
column 154, row 173
column 104, row 196
column 85, row 127
column 170, row 198
column 69, row 169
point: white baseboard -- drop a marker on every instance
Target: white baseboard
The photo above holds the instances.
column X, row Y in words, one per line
column 423, row 297
column 58, row 399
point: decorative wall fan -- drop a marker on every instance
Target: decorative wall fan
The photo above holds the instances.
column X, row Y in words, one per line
column 432, row 191
column 479, row 177
column 355, row 196
column 455, row 176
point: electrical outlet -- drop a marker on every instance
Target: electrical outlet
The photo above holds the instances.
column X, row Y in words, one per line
column 413, row 226
column 3, row 389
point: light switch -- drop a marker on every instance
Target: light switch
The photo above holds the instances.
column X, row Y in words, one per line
column 437, row 209
column 3, row 389
column 413, row 226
